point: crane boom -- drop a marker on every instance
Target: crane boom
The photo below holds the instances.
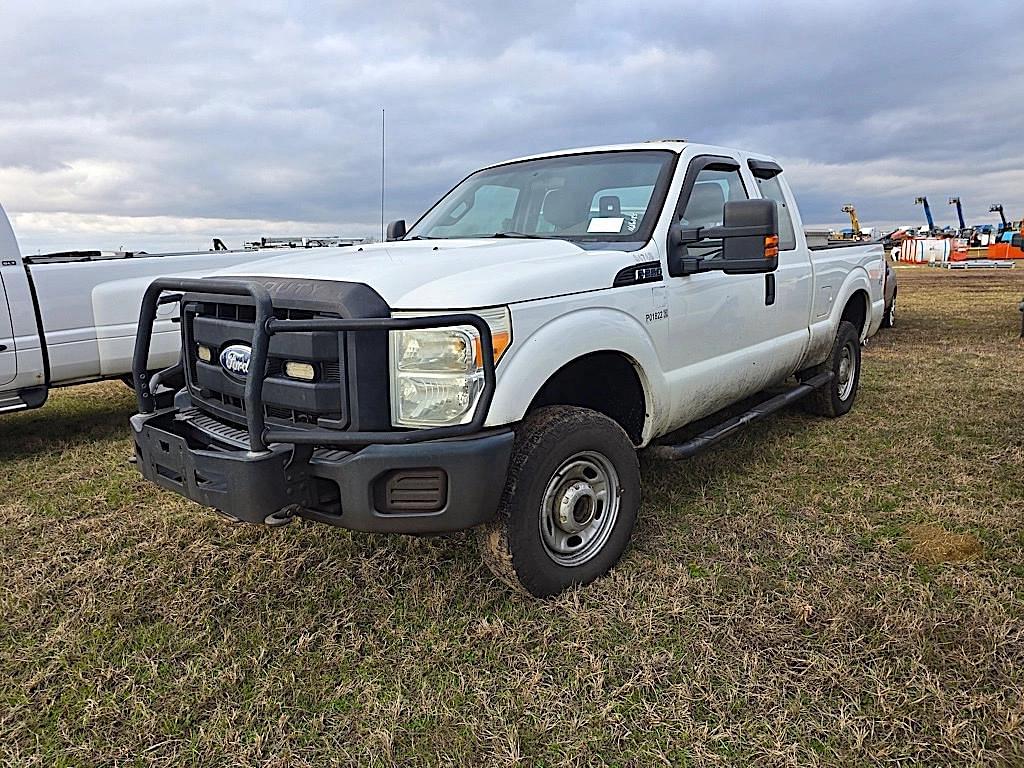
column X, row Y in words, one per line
column 998, row 208
column 854, row 221
column 959, row 212
column 927, row 212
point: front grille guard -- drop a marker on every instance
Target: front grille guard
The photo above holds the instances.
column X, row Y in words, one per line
column 265, row 326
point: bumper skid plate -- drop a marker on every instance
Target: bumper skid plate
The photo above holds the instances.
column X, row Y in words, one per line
column 241, row 484
column 252, row 486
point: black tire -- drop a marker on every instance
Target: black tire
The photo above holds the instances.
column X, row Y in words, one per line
column 889, row 319
column 563, row 455
column 837, row 398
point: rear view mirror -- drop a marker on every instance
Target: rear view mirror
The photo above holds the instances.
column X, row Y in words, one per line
column 396, row 230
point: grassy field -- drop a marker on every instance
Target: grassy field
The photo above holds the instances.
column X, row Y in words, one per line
column 812, row 593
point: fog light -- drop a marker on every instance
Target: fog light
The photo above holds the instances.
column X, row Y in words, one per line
column 303, row 371
column 205, row 354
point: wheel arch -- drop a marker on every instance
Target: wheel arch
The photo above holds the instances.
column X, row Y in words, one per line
column 537, row 370
column 857, row 310
column 606, row 381
column 852, row 298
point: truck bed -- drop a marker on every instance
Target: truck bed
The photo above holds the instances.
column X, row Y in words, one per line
column 75, row 311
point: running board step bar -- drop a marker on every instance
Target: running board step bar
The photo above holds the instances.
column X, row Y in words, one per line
column 719, row 432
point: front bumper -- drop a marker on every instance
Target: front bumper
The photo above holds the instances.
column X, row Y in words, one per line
column 455, row 483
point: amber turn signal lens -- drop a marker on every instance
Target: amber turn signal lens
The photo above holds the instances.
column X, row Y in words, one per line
column 204, row 353
column 771, row 246
column 499, row 342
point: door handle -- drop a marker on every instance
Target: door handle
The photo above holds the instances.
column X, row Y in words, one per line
column 3, row 347
column 769, row 290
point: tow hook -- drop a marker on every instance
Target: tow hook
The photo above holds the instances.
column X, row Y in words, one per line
column 280, row 518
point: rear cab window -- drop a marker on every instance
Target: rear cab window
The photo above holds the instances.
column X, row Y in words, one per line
column 768, row 176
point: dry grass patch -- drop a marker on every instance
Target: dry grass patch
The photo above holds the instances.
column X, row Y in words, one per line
column 770, row 611
column 932, row 544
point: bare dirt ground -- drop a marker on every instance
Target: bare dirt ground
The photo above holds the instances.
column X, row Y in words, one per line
column 811, row 593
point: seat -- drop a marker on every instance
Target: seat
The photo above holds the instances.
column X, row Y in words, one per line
column 566, row 209
column 609, row 205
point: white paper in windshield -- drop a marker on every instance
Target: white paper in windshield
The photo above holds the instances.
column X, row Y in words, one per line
column 606, row 224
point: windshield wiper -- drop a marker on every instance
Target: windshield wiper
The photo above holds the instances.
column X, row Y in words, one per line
column 521, row 235
column 422, row 237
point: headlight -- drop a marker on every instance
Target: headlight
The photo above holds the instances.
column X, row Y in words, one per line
column 437, row 374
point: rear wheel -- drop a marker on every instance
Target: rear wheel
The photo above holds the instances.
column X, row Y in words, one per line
column 836, row 398
column 889, row 319
column 569, row 505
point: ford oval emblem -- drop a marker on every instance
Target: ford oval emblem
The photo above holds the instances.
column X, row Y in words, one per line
column 235, row 359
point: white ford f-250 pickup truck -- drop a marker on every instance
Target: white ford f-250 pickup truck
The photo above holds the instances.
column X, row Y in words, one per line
column 70, row 318
column 499, row 364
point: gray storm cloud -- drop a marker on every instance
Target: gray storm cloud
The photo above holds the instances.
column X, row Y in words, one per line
column 152, row 124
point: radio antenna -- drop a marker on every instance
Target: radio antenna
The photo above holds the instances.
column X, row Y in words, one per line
column 382, row 146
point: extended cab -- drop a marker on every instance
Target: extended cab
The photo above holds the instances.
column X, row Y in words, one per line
column 499, row 364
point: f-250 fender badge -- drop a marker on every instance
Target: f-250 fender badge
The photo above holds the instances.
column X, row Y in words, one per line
column 647, row 272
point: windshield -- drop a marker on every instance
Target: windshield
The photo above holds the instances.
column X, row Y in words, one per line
column 598, row 196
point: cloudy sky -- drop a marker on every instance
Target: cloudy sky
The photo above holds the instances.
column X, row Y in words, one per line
column 151, row 124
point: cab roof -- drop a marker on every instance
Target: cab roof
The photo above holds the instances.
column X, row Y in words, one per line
column 672, row 145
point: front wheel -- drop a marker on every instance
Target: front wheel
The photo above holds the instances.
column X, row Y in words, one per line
column 836, row 398
column 569, row 505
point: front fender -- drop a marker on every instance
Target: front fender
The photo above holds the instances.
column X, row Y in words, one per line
column 551, row 345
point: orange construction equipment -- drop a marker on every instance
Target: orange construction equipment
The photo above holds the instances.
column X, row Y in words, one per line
column 1010, row 246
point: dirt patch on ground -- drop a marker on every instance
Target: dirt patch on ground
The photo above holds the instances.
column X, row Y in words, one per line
column 933, row 544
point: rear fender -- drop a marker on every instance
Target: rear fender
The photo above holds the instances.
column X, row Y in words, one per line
column 823, row 331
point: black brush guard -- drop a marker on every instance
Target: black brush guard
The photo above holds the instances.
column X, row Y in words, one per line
column 267, row 325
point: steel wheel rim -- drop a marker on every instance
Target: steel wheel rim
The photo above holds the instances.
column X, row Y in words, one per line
column 579, row 508
column 847, row 371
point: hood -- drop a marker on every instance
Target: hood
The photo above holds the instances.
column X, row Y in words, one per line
column 452, row 274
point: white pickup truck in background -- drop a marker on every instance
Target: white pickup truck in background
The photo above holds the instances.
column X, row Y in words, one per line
column 70, row 318
column 498, row 365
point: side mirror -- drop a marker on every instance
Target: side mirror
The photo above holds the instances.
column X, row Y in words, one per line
column 396, row 230
column 749, row 235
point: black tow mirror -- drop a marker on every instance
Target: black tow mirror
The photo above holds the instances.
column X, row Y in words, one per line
column 749, row 236
column 396, row 230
